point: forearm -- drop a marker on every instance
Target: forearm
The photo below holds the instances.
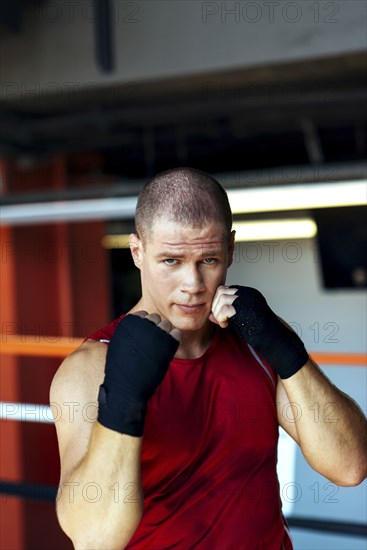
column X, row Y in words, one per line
column 331, row 428
column 101, row 502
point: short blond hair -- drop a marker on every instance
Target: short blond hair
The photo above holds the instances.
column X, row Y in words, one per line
column 184, row 195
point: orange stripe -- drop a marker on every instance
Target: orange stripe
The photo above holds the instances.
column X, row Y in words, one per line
column 29, row 345
column 355, row 359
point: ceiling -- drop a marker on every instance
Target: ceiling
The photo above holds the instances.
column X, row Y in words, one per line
column 300, row 114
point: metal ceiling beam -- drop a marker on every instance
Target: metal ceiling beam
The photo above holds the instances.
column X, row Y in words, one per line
column 312, row 142
column 103, row 128
column 103, row 35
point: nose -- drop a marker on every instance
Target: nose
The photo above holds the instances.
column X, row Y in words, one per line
column 193, row 282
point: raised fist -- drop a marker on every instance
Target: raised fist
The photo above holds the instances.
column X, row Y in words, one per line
column 138, row 358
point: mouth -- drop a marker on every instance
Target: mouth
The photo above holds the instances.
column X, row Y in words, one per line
column 190, row 308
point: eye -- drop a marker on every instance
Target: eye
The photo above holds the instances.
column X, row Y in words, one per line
column 170, row 261
column 209, row 261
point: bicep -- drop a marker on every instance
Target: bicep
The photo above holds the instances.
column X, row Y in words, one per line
column 73, row 400
column 287, row 413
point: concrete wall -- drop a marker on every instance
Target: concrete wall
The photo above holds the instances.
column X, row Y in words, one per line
column 289, row 275
column 159, row 38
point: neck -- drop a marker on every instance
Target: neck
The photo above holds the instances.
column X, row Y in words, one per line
column 194, row 343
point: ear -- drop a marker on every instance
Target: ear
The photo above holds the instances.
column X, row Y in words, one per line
column 136, row 247
column 231, row 247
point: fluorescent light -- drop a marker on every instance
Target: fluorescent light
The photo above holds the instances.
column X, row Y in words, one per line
column 115, row 241
column 259, row 199
column 298, row 197
column 303, row 228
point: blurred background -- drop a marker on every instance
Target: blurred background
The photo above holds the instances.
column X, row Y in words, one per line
column 96, row 97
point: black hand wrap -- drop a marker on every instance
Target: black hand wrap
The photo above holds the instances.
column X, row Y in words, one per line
column 258, row 325
column 137, row 360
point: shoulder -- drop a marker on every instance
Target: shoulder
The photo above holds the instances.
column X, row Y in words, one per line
column 104, row 334
column 80, row 373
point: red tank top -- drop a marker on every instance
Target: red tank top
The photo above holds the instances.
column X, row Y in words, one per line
column 209, row 454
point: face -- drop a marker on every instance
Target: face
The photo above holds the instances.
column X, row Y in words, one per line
column 181, row 269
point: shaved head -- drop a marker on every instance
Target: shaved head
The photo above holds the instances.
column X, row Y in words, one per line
column 183, row 195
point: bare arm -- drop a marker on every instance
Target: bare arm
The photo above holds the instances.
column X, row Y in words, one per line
column 328, row 425
column 100, row 501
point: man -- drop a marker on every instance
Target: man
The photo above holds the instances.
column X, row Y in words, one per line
column 191, row 387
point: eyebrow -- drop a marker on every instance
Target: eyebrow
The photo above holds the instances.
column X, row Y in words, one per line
column 205, row 254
